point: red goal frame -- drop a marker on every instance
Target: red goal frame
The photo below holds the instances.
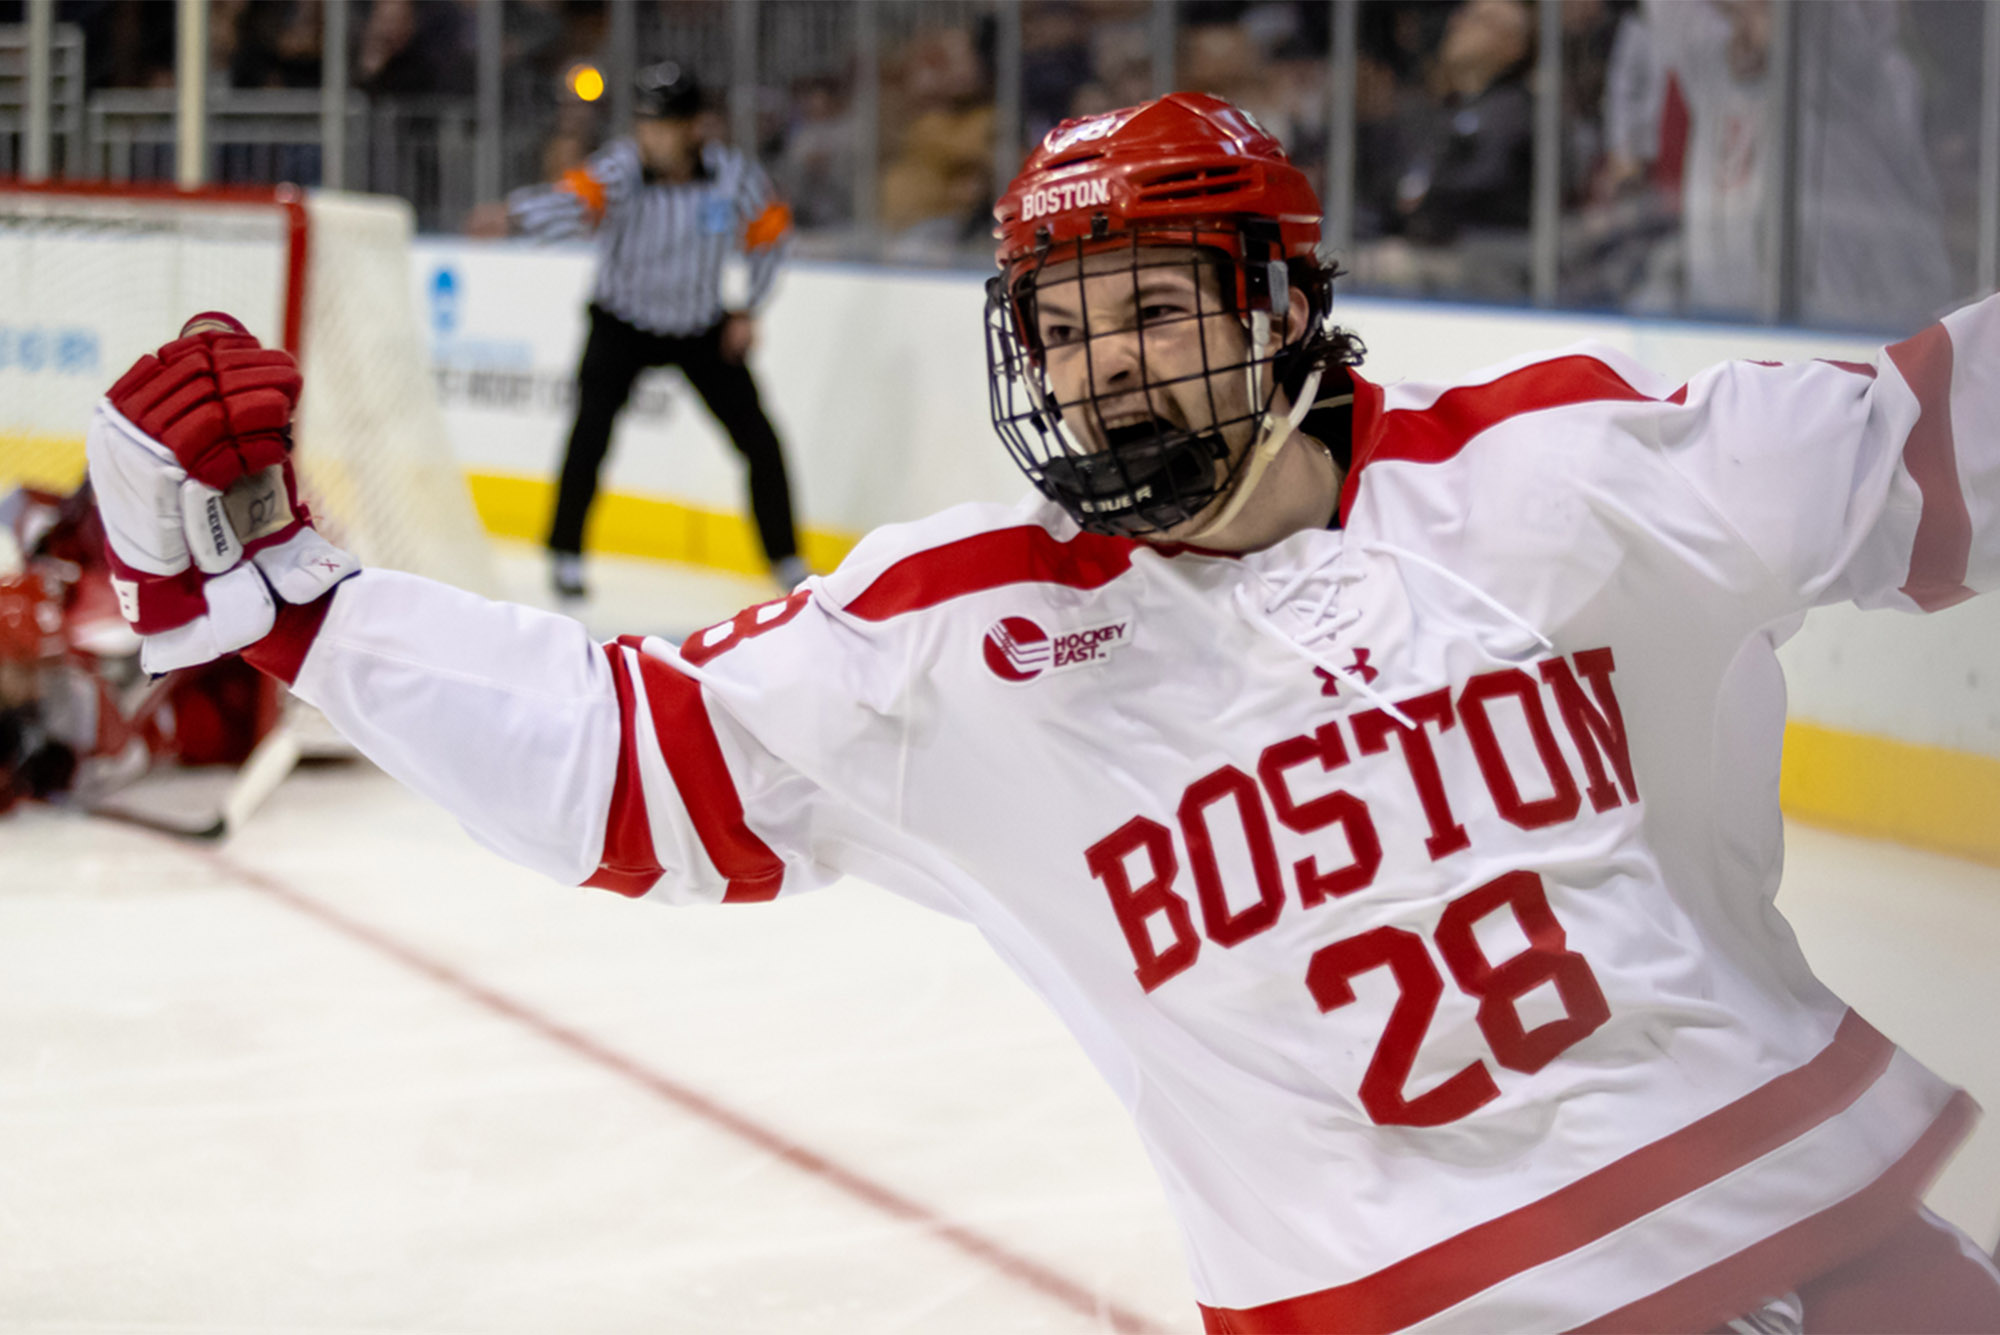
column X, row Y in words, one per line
column 288, row 198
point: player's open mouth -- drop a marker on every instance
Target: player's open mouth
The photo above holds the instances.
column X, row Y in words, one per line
column 1136, row 431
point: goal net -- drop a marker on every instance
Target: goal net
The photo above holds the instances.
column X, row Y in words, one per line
column 95, row 277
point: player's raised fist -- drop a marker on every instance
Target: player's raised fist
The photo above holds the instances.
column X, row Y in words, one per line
column 190, row 466
column 220, row 401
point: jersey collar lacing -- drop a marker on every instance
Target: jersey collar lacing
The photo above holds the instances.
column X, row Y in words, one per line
column 1326, row 619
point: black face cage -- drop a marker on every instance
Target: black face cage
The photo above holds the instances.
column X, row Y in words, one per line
column 1133, row 479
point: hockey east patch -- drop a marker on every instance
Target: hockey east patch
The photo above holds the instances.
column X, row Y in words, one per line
column 1018, row 649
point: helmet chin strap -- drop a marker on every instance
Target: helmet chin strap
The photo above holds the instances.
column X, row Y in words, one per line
column 1272, row 432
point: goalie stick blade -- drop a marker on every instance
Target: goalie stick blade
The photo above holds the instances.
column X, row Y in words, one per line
column 211, row 832
column 268, row 765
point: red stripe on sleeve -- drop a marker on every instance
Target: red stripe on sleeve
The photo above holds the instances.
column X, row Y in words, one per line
column 1024, row 555
column 628, row 865
column 1426, row 1283
column 1943, row 545
column 694, row 759
column 1437, row 433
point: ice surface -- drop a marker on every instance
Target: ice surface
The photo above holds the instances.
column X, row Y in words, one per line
column 355, row 1074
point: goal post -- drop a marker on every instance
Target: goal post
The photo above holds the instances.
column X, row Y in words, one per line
column 96, row 275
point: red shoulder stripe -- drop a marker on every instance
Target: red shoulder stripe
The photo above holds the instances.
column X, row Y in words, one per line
column 1943, row 546
column 1025, row 555
column 1437, row 433
column 694, row 759
column 1445, row 1274
column 628, row 864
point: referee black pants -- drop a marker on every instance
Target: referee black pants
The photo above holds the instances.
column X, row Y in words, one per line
column 613, row 356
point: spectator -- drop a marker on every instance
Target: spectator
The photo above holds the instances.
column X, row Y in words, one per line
column 1464, row 163
column 936, row 186
column 816, row 169
column 1473, row 165
column 412, row 47
column 1870, row 247
column 277, row 44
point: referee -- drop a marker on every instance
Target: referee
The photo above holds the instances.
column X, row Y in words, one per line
column 668, row 210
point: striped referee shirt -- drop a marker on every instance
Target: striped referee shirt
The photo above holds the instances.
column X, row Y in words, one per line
column 663, row 246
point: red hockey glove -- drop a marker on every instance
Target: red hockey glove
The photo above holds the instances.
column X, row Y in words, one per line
column 176, row 541
column 220, row 402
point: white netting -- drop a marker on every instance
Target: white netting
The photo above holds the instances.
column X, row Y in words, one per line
column 91, row 281
column 371, row 439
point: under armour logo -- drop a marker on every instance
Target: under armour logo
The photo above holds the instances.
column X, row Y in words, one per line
column 1330, row 684
column 327, row 563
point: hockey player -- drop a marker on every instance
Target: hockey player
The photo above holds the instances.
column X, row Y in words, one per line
column 1381, row 783
column 78, row 720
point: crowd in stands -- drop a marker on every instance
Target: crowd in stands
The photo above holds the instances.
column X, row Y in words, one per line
column 1664, row 129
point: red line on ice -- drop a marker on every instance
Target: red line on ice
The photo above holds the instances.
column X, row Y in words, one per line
column 1021, row 1269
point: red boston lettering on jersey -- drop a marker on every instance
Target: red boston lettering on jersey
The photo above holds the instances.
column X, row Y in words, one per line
column 1227, row 926
column 1473, row 703
column 1328, row 809
column 1372, row 731
column 1598, row 732
column 1136, row 906
column 1227, row 806
column 1025, row 555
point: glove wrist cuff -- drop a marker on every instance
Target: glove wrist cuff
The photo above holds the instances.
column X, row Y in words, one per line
column 283, row 652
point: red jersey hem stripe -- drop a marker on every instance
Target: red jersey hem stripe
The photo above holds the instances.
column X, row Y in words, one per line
column 1426, row 1283
column 1943, row 546
column 1782, row 1262
column 1028, row 554
column 694, row 758
column 628, row 865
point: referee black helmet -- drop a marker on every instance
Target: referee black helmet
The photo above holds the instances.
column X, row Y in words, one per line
column 667, row 92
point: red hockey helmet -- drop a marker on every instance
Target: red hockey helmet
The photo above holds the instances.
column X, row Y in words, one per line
column 1184, row 180
column 1190, row 161
column 30, row 621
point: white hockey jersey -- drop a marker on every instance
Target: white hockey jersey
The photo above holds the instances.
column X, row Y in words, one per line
column 1411, row 881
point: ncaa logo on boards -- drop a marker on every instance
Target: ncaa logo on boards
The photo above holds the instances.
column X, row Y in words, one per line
column 1019, row 650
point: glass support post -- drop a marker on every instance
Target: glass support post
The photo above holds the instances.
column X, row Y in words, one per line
column 486, row 136
column 1989, row 155
column 40, row 90
column 1778, row 242
column 867, row 119
column 621, row 64
column 743, row 76
column 1006, row 96
column 1160, row 27
column 1343, row 72
column 333, row 95
column 1545, row 210
column 191, row 89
